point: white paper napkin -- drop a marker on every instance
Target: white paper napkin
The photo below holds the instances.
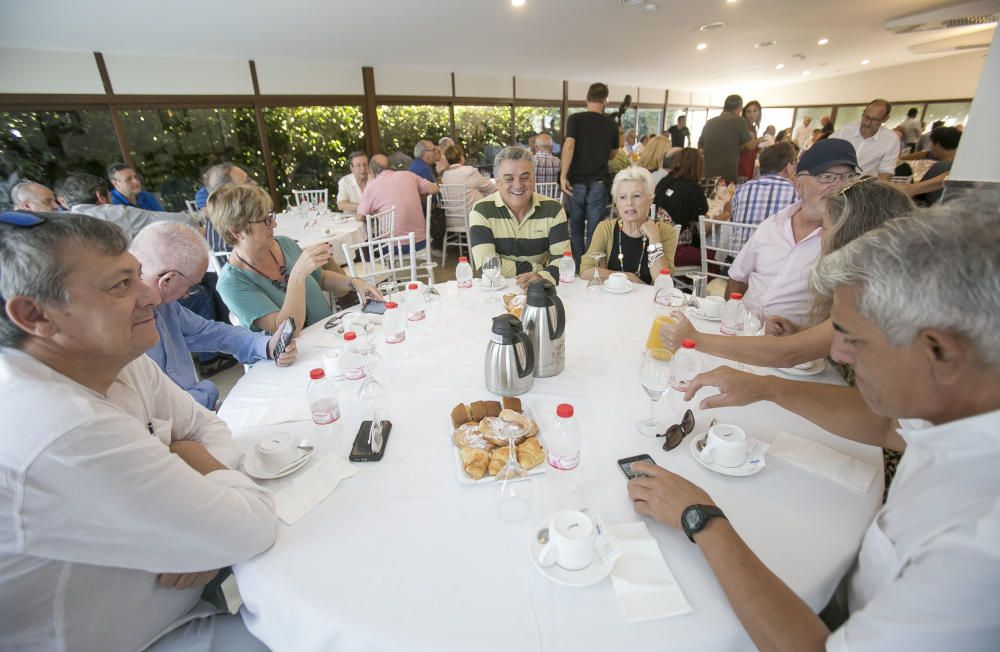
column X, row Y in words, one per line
column 645, row 586
column 309, row 488
column 823, row 460
column 270, row 414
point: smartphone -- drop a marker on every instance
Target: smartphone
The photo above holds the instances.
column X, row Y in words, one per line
column 374, row 307
column 362, row 451
column 287, row 330
column 625, row 464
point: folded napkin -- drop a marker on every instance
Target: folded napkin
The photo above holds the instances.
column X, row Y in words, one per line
column 823, row 460
column 645, row 586
column 308, row 489
column 270, row 414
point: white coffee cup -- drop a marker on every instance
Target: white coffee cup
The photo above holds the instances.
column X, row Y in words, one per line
column 275, row 452
column 617, row 281
column 725, row 445
column 571, row 541
column 711, row 306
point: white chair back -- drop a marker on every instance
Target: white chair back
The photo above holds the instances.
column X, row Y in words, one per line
column 381, row 225
column 452, row 198
column 216, row 260
column 715, row 237
column 192, row 207
column 386, row 260
column 315, row 197
column 550, row 189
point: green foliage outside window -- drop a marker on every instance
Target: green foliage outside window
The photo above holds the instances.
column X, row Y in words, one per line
column 530, row 120
column 402, row 127
column 482, row 131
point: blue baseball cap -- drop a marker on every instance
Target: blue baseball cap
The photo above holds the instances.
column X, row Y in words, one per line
column 826, row 153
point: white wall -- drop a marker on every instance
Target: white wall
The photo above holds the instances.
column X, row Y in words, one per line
column 532, row 88
column 283, row 77
column 404, row 81
column 650, row 95
column 977, row 157
column 472, row 85
column 47, row 71
column 135, row 75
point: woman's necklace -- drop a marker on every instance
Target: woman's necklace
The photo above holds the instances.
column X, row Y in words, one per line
column 282, row 271
column 621, row 254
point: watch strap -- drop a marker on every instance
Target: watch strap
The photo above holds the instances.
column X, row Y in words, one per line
column 707, row 513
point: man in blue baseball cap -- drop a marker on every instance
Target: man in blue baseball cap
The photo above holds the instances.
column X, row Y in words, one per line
column 773, row 268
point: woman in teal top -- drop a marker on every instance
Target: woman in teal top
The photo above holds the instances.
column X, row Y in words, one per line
column 270, row 279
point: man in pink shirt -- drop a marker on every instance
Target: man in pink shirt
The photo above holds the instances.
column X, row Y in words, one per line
column 773, row 269
column 388, row 188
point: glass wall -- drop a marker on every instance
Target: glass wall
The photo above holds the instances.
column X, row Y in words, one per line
column 953, row 113
column 171, row 147
column 403, row 126
column 482, row 131
column 45, row 146
column 849, row 115
column 697, row 117
column 814, row 112
column 530, row 120
column 779, row 117
column 310, row 145
column 649, row 122
column 629, row 120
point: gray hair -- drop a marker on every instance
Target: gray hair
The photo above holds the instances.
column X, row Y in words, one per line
column 939, row 269
column 637, row 173
column 218, row 175
column 22, row 191
column 512, row 154
column 543, row 142
column 34, row 260
column 164, row 246
column 82, row 189
column 445, row 143
column 421, row 147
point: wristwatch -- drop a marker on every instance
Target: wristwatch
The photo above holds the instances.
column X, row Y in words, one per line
column 696, row 517
column 654, row 247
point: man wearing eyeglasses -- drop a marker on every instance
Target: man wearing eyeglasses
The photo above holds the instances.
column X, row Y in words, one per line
column 174, row 258
column 772, row 270
column 876, row 147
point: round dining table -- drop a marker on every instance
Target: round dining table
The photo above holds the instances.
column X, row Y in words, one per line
column 405, row 556
column 308, row 227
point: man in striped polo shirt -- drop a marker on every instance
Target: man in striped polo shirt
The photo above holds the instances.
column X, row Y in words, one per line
column 527, row 231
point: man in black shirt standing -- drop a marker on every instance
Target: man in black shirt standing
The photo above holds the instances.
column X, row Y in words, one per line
column 592, row 139
column 679, row 133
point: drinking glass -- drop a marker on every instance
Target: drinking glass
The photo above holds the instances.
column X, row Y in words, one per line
column 491, row 270
column 654, row 376
column 372, row 397
column 753, row 318
column 387, row 288
column 595, row 283
column 699, row 284
column 431, row 291
column 515, row 481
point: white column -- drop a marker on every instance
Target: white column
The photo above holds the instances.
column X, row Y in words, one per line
column 977, row 158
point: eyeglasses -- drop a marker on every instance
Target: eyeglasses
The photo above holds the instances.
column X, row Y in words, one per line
column 192, row 291
column 267, row 221
column 675, row 434
column 867, row 118
column 22, row 219
column 830, row 177
column 843, row 191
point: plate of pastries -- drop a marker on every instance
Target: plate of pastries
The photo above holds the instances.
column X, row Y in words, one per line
column 515, row 303
column 480, row 435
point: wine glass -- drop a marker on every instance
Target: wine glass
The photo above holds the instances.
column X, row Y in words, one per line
column 654, row 376
column 431, row 290
column 387, row 288
column 595, row 283
column 372, row 398
column 491, row 270
column 515, row 486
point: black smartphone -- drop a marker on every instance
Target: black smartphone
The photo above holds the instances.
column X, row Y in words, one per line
column 362, row 450
column 287, row 330
column 625, row 464
column 374, row 307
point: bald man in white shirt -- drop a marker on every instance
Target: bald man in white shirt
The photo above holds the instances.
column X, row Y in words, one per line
column 877, row 148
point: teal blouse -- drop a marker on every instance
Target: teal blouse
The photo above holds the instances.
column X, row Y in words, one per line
column 250, row 296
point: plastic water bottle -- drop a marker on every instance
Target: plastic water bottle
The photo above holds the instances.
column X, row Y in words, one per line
column 393, row 323
column 463, row 272
column 732, row 315
column 563, row 441
column 351, row 360
column 685, row 366
column 664, row 281
column 567, row 267
column 322, row 397
column 415, row 305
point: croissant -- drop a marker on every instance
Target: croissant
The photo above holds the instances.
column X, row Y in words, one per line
column 498, row 458
column 474, row 460
column 529, row 453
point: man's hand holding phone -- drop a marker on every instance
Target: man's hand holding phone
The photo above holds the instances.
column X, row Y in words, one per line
column 281, row 347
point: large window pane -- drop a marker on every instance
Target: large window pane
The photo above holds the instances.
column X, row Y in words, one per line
column 814, row 112
column 531, row 120
column 402, row 127
column 171, row 147
column 778, row 117
column 849, row 115
column 649, row 122
column 45, row 146
column 310, row 145
column 482, row 131
column 953, row 113
column 628, row 120
column 696, row 119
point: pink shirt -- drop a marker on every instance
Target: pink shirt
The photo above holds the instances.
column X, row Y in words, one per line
column 777, row 268
column 400, row 189
column 476, row 185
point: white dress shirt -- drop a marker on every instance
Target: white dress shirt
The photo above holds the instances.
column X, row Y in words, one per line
column 93, row 506
column 778, row 269
column 803, row 135
column 476, row 185
column 130, row 219
column 348, row 189
column 928, row 573
column 876, row 155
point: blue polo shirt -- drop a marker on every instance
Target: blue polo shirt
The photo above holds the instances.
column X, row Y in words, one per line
column 145, row 200
column 421, row 169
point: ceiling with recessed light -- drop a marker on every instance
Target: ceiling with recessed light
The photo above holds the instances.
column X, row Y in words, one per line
column 763, row 43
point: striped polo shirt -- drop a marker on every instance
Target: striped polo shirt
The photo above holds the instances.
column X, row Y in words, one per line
column 534, row 245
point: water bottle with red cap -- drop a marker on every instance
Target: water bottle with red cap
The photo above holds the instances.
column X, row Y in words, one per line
column 322, row 396
column 463, row 273
column 393, row 323
column 415, row 304
column 733, row 315
column 685, row 366
column 352, row 359
column 563, row 441
column 567, row 267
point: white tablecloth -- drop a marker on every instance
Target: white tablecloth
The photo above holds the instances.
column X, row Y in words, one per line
column 403, row 557
column 312, row 227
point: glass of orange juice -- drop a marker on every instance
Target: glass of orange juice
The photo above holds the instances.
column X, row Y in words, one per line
column 654, row 341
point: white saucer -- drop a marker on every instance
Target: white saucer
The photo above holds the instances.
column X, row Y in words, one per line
column 592, row 574
column 257, row 472
column 628, row 288
column 809, row 369
column 478, row 283
column 753, row 465
column 695, row 311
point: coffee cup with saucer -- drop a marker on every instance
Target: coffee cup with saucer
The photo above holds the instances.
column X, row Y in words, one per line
column 275, row 456
column 617, row 283
column 727, row 449
column 710, row 308
column 570, row 557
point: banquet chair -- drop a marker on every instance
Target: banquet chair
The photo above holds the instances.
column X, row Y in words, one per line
column 392, row 264
column 549, row 189
column 381, row 225
column 314, row 197
column 680, row 273
column 717, row 241
column 192, row 207
column 451, row 198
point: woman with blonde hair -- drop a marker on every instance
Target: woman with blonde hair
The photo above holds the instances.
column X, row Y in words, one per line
column 270, row 279
column 654, row 157
column 632, row 243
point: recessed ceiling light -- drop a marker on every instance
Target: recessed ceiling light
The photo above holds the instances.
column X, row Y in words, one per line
column 650, row 6
column 806, row 73
column 715, row 24
column 702, row 46
column 517, row 3
column 864, row 62
column 764, row 44
column 731, row 2
column 779, row 66
column 822, row 41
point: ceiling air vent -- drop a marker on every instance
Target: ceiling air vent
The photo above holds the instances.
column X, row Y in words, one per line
column 969, row 14
column 631, row 3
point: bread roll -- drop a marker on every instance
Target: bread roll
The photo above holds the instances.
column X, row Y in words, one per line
column 460, row 414
column 467, row 435
column 475, row 461
column 478, row 410
column 512, row 403
column 493, row 408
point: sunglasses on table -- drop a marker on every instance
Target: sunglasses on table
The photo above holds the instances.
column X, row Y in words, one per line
column 676, row 433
